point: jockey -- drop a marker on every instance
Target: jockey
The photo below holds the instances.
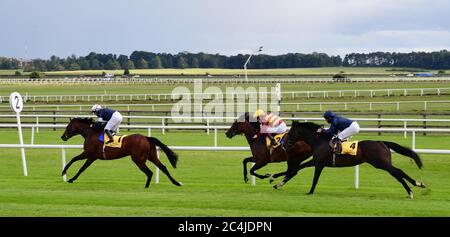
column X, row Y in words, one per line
column 270, row 123
column 112, row 117
column 341, row 126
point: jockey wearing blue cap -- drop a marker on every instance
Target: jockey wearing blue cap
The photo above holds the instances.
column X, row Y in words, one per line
column 341, row 126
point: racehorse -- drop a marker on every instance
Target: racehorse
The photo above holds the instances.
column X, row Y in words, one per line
column 376, row 153
column 261, row 156
column 139, row 147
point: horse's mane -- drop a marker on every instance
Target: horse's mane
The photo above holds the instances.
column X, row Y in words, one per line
column 309, row 125
column 245, row 117
column 85, row 120
column 313, row 128
column 96, row 126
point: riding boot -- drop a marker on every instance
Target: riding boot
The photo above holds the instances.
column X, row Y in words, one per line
column 272, row 140
column 110, row 136
column 338, row 149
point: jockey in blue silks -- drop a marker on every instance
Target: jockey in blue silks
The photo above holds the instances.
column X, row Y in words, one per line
column 112, row 117
column 340, row 126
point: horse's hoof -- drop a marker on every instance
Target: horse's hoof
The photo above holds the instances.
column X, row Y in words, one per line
column 411, row 196
column 246, row 180
column 63, row 173
column 70, row 181
column 180, row 184
column 267, row 175
column 310, row 193
column 271, row 179
column 420, row 185
column 275, row 186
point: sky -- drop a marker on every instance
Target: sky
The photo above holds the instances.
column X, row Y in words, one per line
column 38, row 29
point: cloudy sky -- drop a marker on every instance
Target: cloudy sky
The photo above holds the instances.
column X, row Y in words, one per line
column 39, row 29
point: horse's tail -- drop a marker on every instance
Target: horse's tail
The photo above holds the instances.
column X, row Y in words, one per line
column 405, row 151
column 173, row 157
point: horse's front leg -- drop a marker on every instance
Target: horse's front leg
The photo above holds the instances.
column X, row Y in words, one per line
column 293, row 168
column 84, row 167
column 246, row 160
column 317, row 173
column 259, row 165
column 81, row 156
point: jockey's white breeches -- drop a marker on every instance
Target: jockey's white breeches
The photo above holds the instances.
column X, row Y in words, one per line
column 350, row 131
column 114, row 122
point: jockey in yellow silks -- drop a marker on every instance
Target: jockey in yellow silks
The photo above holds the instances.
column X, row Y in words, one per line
column 270, row 123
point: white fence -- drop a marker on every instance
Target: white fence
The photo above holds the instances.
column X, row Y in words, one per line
column 424, row 105
column 285, row 94
column 233, row 79
column 211, row 120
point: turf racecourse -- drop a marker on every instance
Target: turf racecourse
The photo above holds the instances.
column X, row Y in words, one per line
column 213, row 184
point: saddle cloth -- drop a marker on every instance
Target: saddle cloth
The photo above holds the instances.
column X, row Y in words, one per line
column 279, row 138
column 349, row 148
column 117, row 140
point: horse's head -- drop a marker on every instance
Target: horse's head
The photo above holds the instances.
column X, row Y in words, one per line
column 301, row 131
column 245, row 124
column 76, row 126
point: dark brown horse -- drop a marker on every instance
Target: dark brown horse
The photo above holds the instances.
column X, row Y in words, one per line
column 376, row 153
column 139, row 147
column 261, row 156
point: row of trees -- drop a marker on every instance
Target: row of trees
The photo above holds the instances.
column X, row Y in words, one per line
column 144, row 60
column 432, row 60
column 9, row 63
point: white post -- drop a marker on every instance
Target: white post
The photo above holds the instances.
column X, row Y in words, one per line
column 163, row 129
column 37, row 124
column 357, row 177
column 149, row 132
column 16, row 103
column 215, row 137
column 22, row 150
column 63, row 157
column 404, row 126
column 278, row 92
column 253, row 177
column 157, row 169
column 413, row 146
column 32, row 135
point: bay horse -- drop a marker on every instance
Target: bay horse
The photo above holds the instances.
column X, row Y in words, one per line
column 376, row 153
column 139, row 147
column 261, row 156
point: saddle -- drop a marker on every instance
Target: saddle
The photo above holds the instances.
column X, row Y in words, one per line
column 279, row 139
column 117, row 140
column 348, row 148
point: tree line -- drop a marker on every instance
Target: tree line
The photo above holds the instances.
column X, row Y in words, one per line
column 144, row 60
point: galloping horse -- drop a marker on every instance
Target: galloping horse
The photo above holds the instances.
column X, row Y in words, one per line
column 261, row 156
column 139, row 147
column 376, row 153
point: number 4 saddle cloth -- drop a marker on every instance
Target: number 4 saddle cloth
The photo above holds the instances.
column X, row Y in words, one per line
column 117, row 140
column 349, row 148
